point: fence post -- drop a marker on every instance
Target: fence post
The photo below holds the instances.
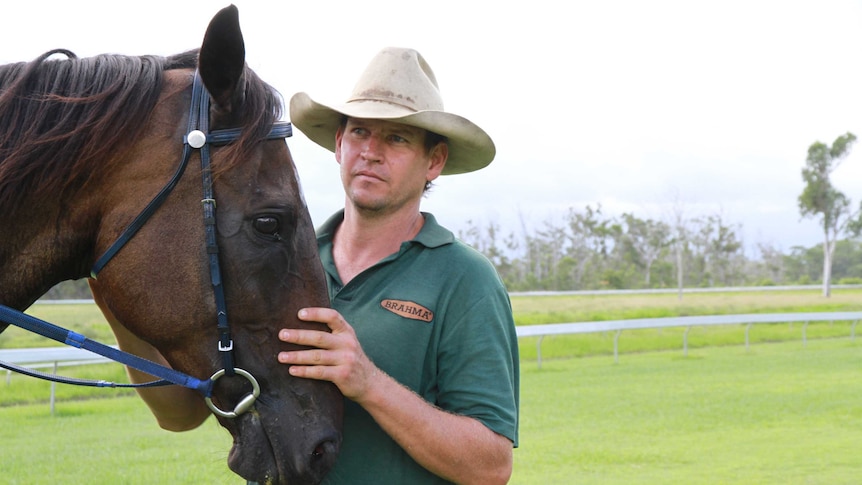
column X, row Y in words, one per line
column 539, row 350
column 616, row 346
column 53, row 388
column 685, row 341
column 747, row 328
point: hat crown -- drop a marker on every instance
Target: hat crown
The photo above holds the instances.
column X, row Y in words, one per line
column 400, row 77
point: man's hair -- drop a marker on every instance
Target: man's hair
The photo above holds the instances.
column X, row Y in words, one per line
column 431, row 141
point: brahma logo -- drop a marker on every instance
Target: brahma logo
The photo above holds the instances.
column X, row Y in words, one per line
column 408, row 309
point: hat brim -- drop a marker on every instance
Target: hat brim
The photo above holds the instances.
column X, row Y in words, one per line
column 470, row 148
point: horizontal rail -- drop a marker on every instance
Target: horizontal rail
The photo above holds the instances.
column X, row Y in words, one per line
column 542, row 331
column 44, row 355
column 638, row 323
column 51, row 357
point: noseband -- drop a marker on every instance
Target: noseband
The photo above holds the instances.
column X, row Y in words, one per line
column 199, row 137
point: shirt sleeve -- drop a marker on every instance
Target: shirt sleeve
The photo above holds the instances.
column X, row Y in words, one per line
column 478, row 373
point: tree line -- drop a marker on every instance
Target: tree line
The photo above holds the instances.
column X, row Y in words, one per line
column 590, row 251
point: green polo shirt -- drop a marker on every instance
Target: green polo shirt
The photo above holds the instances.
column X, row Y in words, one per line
column 436, row 317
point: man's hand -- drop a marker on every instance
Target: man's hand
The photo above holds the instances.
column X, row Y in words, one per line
column 336, row 357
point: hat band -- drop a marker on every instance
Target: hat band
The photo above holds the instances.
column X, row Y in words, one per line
column 400, row 101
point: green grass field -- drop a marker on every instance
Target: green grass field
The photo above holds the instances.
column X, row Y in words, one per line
column 778, row 413
column 107, row 441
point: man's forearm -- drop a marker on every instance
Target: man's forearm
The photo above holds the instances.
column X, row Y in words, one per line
column 458, row 448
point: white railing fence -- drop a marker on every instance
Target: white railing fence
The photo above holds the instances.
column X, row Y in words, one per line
column 541, row 331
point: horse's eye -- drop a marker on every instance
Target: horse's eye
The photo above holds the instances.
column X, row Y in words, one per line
column 268, row 225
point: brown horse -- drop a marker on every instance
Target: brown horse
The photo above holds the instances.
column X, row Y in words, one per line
column 85, row 144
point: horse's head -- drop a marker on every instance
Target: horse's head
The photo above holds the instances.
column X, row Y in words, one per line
column 159, row 284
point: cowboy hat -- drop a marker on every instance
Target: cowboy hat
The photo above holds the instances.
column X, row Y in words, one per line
column 398, row 85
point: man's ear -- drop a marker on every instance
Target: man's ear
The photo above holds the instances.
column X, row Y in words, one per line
column 439, row 155
column 339, row 135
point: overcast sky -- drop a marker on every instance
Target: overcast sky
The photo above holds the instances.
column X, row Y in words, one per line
column 632, row 105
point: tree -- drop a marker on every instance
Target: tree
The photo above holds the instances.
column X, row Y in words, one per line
column 679, row 239
column 822, row 200
column 487, row 241
column 587, row 239
column 770, row 267
column 717, row 249
column 648, row 239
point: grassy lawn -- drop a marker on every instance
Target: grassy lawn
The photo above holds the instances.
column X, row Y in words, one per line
column 778, row 414
column 107, row 441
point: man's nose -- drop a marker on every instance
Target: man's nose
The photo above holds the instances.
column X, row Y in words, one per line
column 371, row 149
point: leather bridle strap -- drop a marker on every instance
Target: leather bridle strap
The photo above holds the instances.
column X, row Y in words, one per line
column 197, row 138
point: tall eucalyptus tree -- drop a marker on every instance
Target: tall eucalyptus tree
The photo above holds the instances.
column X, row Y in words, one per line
column 820, row 199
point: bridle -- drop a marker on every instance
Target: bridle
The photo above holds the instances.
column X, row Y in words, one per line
column 198, row 137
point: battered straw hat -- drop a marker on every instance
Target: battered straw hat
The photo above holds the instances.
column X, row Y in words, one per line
column 398, row 85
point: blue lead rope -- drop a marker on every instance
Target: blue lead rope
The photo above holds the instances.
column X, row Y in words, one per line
column 68, row 337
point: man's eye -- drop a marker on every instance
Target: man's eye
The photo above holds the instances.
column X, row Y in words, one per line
column 268, row 225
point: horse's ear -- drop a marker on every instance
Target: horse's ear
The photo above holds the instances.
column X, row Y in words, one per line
column 222, row 57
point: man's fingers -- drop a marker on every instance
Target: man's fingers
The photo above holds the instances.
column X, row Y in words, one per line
column 309, row 372
column 330, row 317
column 305, row 357
column 311, row 338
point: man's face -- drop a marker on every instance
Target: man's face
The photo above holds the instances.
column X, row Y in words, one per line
column 385, row 165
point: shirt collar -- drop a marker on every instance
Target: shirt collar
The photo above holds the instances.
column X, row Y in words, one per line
column 431, row 235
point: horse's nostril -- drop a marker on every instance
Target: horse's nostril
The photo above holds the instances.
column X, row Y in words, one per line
column 318, row 451
column 324, row 449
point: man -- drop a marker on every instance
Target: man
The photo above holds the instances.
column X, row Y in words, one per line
column 429, row 359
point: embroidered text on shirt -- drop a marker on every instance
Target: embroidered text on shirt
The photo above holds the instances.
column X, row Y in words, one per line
column 408, row 309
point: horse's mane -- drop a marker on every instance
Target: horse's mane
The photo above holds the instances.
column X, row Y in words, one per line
column 62, row 121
